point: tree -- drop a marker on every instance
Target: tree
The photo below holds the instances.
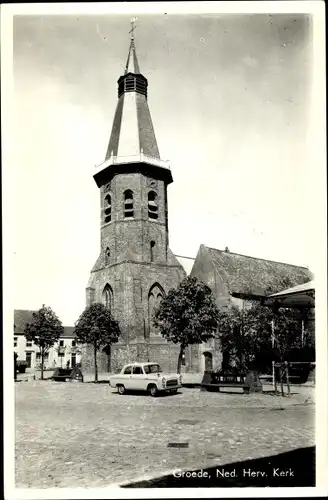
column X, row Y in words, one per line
column 44, row 330
column 250, row 340
column 234, row 343
column 187, row 315
column 97, row 327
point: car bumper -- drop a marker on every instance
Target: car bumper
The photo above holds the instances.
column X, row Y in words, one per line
column 171, row 387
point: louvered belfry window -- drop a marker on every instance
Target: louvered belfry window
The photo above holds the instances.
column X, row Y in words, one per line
column 132, row 83
column 128, row 204
column 108, row 208
column 152, row 205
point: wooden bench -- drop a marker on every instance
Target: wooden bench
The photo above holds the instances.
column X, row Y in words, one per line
column 215, row 381
column 217, row 387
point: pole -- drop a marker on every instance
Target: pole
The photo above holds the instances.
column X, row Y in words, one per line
column 272, row 333
column 287, row 378
column 281, row 381
column 274, row 380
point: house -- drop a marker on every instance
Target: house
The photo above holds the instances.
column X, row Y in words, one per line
column 63, row 351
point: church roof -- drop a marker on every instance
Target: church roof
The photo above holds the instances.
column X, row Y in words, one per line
column 244, row 275
column 23, row 316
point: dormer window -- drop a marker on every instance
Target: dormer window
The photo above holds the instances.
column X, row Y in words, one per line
column 108, row 208
column 128, row 204
column 152, row 205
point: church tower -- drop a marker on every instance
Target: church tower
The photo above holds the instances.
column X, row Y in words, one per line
column 135, row 268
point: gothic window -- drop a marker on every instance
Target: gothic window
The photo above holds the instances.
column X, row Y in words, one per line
column 107, row 256
column 128, row 204
column 155, row 297
column 152, row 205
column 108, row 208
column 107, row 297
column 152, row 251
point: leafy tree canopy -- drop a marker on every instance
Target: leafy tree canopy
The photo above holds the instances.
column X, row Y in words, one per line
column 44, row 329
column 188, row 314
column 247, row 334
column 96, row 326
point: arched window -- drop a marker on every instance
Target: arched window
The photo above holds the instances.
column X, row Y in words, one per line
column 107, row 297
column 152, row 205
column 128, row 203
column 152, row 251
column 108, row 208
column 107, row 256
column 155, row 296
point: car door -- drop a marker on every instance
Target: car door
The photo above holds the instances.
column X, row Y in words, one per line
column 138, row 379
column 127, row 377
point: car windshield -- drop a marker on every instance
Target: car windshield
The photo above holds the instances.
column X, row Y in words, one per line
column 152, row 369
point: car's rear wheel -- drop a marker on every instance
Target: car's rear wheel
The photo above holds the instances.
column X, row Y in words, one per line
column 174, row 391
column 121, row 389
column 153, row 390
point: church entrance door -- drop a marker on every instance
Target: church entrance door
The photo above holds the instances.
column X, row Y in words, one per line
column 107, row 351
column 208, row 361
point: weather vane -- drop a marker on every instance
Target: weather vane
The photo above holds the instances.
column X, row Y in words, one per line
column 133, row 26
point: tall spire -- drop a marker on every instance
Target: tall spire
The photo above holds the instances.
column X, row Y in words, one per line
column 132, row 143
column 132, row 65
column 132, row 131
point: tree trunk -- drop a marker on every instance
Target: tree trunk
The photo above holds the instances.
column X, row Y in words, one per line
column 95, row 359
column 182, row 350
column 281, row 380
column 42, row 358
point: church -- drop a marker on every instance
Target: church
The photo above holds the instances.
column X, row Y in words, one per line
column 135, row 268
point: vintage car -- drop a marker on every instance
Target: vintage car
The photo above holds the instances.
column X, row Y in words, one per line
column 145, row 377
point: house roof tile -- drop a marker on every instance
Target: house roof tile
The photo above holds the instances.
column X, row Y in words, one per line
column 23, row 316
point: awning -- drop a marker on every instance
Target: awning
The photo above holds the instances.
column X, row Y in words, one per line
column 299, row 296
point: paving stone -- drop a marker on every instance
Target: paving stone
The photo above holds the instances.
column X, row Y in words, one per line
column 124, row 437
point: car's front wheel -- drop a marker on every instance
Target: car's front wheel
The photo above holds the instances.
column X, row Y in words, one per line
column 153, row 390
column 121, row 389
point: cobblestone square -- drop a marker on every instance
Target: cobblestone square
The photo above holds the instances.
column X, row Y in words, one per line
column 86, row 435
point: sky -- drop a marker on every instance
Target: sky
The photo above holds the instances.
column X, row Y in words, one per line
column 230, row 99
